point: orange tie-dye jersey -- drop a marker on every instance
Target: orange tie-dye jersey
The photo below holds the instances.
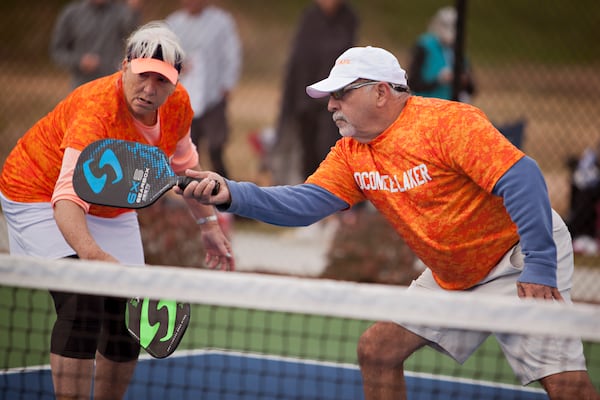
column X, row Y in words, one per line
column 94, row 111
column 431, row 174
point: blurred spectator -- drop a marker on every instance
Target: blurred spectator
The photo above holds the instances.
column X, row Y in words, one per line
column 325, row 30
column 585, row 201
column 431, row 72
column 209, row 37
column 89, row 37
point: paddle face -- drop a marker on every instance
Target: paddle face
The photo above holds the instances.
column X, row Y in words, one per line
column 121, row 173
column 158, row 325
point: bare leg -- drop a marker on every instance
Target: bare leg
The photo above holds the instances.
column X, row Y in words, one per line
column 72, row 377
column 570, row 385
column 382, row 350
column 112, row 378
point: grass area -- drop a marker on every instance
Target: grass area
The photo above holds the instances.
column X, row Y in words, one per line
column 496, row 30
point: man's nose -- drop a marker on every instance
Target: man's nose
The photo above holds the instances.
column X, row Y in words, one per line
column 332, row 104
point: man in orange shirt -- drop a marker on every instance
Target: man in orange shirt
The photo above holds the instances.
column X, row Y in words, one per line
column 144, row 103
column 472, row 206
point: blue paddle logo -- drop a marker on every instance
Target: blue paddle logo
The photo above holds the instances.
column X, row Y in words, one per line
column 107, row 159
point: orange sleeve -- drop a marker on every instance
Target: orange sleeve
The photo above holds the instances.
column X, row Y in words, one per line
column 186, row 155
column 63, row 190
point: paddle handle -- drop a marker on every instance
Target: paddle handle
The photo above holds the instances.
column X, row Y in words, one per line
column 183, row 181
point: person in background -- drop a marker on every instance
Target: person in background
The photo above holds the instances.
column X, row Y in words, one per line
column 88, row 37
column 431, row 71
column 585, row 201
column 142, row 102
column 209, row 36
column 473, row 207
column 305, row 131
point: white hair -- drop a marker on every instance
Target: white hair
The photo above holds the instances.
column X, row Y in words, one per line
column 442, row 24
column 155, row 40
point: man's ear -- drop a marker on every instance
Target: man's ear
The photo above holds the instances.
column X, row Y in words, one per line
column 383, row 92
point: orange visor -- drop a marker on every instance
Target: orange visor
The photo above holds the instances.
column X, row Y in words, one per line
column 141, row 65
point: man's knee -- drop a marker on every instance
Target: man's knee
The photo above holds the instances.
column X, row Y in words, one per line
column 386, row 343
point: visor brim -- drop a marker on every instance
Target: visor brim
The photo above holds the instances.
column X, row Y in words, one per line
column 141, row 65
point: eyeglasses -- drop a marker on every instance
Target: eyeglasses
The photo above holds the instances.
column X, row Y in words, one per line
column 340, row 93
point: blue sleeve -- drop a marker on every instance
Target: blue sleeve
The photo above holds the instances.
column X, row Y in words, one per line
column 297, row 205
column 526, row 199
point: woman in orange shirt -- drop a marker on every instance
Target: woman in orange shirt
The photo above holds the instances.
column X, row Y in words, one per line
column 144, row 103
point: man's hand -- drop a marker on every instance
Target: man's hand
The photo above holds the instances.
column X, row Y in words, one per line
column 537, row 291
column 202, row 191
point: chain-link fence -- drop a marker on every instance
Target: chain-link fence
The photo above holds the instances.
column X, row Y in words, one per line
column 536, row 62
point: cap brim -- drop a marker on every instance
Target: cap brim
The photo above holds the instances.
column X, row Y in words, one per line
column 326, row 86
column 141, row 65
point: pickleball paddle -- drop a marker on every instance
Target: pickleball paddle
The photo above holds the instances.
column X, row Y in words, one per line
column 120, row 173
column 158, row 325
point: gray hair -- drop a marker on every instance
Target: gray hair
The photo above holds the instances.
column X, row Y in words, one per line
column 442, row 24
column 155, row 40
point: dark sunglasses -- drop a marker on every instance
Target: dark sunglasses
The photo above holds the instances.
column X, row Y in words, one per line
column 340, row 93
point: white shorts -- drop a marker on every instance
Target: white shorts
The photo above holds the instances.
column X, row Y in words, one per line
column 531, row 357
column 32, row 231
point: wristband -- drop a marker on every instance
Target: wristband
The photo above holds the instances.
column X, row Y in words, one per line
column 203, row 220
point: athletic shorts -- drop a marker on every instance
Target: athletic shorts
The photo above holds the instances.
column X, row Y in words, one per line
column 88, row 323
column 531, row 357
column 84, row 322
column 32, row 231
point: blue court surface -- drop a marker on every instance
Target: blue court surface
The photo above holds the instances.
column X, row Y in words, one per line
column 219, row 375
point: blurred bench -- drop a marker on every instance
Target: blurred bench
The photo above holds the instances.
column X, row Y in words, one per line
column 514, row 131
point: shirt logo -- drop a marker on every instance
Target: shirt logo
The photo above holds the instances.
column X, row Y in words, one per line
column 107, row 159
column 410, row 179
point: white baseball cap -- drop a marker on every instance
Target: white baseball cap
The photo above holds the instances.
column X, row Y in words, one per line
column 360, row 62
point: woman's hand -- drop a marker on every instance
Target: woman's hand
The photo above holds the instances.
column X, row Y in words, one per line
column 218, row 247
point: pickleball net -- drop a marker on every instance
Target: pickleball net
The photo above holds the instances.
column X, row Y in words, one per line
column 254, row 336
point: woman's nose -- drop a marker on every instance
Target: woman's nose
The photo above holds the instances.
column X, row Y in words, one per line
column 149, row 87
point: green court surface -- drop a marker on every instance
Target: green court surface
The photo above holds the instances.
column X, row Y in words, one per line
column 26, row 318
